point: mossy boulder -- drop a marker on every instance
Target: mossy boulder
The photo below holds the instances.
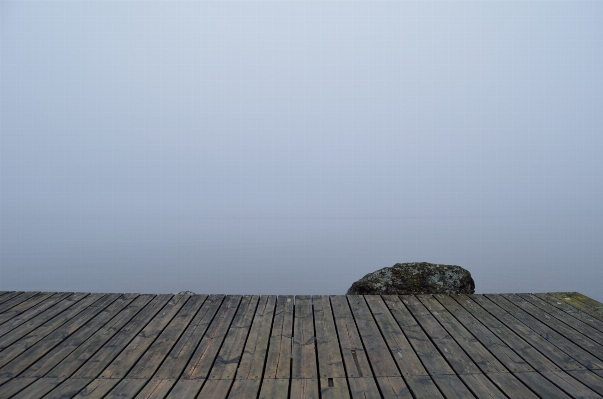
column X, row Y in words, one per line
column 415, row 278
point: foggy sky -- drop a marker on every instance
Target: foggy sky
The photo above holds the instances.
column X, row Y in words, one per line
column 292, row 147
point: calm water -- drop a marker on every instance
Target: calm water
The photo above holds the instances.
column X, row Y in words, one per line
column 295, row 255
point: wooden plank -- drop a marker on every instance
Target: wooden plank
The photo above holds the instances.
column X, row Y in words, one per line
column 423, row 387
column 303, row 358
column 503, row 352
column 252, row 362
column 28, row 349
column 278, row 363
column 38, row 388
column 6, row 295
column 12, row 331
column 363, row 388
column 68, row 388
column 244, row 389
column 432, row 359
column 118, row 331
column 334, row 388
column 303, row 388
column 539, row 325
column 393, row 388
column 572, row 310
column 511, row 386
column 573, row 300
column 186, row 389
column 587, row 300
column 156, row 388
column 225, row 365
column 403, row 353
column 570, row 385
column 23, row 306
column 24, row 311
column 173, row 366
column 122, row 364
column 330, row 362
column 449, row 348
column 161, row 347
column 590, row 379
column 541, row 386
column 97, row 388
column 15, row 385
column 354, row 357
column 580, row 333
column 44, row 364
column 485, row 360
column 202, row 360
column 274, row 388
column 382, row 363
column 126, row 388
column 482, row 387
column 452, row 386
column 538, row 352
column 215, row 389
column 15, row 300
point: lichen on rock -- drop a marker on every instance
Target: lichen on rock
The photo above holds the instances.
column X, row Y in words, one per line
column 415, row 278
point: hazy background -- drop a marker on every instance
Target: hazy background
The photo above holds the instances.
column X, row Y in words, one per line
column 291, row 148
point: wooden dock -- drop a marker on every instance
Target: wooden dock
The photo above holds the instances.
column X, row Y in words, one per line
column 81, row 345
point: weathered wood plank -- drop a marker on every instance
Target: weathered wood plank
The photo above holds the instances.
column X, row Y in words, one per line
column 278, row 363
column 572, row 310
column 173, row 366
column 543, row 387
column 126, row 388
column 431, row 358
column 503, row 352
column 156, row 388
column 303, row 365
column 354, row 357
column 15, row 300
column 244, row 389
column 252, row 362
column 68, row 388
column 537, row 351
column 304, row 388
column 38, row 388
column 15, row 385
column 379, row 355
column 30, row 348
column 578, row 332
column 100, row 349
column 97, row 388
column 393, row 388
column 403, row 353
column 229, row 356
column 75, row 340
column 21, row 306
column 587, row 300
column 122, row 364
column 572, row 298
column 482, row 387
column 423, row 387
column 590, row 379
column 215, row 389
column 449, row 348
column 452, row 386
column 186, row 389
column 334, row 388
column 570, row 385
column 6, row 295
column 202, row 360
column 511, row 386
column 16, row 320
column 160, row 348
column 274, row 388
column 61, row 304
column 330, row 362
column 538, row 323
column 479, row 355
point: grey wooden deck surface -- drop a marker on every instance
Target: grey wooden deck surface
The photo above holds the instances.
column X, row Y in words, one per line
column 80, row 345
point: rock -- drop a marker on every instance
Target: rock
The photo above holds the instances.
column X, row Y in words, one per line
column 415, row 278
column 185, row 293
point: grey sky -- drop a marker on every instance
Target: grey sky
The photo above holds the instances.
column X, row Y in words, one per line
column 292, row 147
